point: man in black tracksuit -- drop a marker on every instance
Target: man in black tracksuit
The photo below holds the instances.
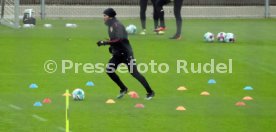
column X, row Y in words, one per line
column 177, row 14
column 121, row 51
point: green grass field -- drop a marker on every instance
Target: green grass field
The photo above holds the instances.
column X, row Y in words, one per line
column 24, row 51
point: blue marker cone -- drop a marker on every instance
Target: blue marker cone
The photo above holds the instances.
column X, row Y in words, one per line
column 38, row 104
column 211, row 81
column 89, row 83
column 33, row 85
column 247, row 88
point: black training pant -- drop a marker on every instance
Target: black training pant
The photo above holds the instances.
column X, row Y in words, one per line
column 119, row 59
column 143, row 8
column 160, row 11
column 177, row 14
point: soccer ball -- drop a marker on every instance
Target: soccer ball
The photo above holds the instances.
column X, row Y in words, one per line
column 131, row 29
column 221, row 36
column 229, row 38
column 78, row 94
column 209, row 37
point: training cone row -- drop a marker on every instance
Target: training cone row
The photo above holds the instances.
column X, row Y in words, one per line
column 37, row 104
column 45, row 101
column 241, row 103
column 245, row 98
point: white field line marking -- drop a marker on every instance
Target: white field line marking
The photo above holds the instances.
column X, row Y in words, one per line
column 39, row 118
column 35, row 116
column 62, row 129
column 15, row 107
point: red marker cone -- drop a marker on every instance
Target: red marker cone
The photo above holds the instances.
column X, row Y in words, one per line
column 47, row 101
column 131, row 92
column 134, row 95
column 139, row 106
column 240, row 104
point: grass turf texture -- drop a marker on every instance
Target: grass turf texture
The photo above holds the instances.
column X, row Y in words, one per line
column 24, row 51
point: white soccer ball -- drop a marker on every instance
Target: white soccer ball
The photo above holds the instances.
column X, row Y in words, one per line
column 71, row 25
column 78, row 94
column 131, row 29
column 209, row 37
column 221, row 36
column 47, row 25
column 28, row 26
column 230, row 38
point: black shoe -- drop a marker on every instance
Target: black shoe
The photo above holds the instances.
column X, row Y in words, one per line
column 122, row 93
column 176, row 36
column 150, row 96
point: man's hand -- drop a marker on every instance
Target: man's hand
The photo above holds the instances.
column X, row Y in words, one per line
column 101, row 42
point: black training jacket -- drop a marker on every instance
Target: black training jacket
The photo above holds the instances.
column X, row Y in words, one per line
column 119, row 43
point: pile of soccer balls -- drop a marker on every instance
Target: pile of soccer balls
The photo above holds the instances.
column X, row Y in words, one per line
column 221, row 37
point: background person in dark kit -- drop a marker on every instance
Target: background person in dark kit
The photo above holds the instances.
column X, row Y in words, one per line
column 143, row 8
column 156, row 16
column 121, row 51
column 177, row 14
column 160, row 15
